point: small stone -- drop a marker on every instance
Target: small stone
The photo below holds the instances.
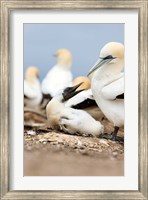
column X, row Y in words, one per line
column 29, row 148
column 102, row 141
column 85, row 144
column 83, row 151
column 91, row 145
column 44, row 142
column 31, row 132
column 115, row 154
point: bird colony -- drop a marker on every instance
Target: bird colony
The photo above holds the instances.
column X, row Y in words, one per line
column 78, row 106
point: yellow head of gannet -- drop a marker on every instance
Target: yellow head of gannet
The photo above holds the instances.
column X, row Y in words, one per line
column 85, row 83
column 32, row 73
column 64, row 57
column 111, row 58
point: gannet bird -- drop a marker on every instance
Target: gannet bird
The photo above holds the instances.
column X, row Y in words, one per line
column 32, row 88
column 71, row 120
column 60, row 76
column 84, row 100
column 108, row 85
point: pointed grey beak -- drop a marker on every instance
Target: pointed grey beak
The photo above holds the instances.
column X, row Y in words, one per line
column 99, row 63
column 69, row 92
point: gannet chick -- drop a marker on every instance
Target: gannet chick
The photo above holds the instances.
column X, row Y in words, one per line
column 60, row 76
column 32, row 88
column 84, row 100
column 71, row 120
column 108, row 85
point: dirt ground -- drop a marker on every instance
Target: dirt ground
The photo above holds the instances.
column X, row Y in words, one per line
column 54, row 153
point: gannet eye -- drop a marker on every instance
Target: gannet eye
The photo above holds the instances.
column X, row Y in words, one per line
column 108, row 57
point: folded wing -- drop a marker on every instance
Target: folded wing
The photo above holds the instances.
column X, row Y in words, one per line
column 114, row 90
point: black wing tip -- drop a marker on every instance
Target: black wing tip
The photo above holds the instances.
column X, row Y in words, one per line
column 121, row 96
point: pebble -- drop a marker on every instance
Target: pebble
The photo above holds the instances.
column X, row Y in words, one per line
column 115, row 153
column 79, row 143
column 104, row 142
column 29, row 148
column 91, row 145
column 83, row 151
column 31, row 132
column 44, row 142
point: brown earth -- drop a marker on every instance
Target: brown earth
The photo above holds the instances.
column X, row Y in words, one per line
column 54, row 153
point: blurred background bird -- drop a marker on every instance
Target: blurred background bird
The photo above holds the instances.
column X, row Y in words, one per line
column 108, row 85
column 32, row 88
column 60, row 76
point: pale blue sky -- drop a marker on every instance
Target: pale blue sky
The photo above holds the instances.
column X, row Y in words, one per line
column 41, row 41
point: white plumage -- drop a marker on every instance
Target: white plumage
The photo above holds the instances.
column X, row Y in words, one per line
column 78, row 121
column 60, row 76
column 108, row 83
column 85, row 100
column 56, row 80
column 71, row 120
column 112, row 90
column 79, row 98
column 32, row 88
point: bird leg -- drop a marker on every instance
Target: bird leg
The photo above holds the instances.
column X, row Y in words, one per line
column 113, row 136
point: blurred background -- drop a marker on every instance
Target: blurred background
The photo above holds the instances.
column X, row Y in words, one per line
column 41, row 41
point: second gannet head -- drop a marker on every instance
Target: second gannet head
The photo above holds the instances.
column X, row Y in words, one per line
column 32, row 73
column 111, row 58
column 64, row 58
column 85, row 83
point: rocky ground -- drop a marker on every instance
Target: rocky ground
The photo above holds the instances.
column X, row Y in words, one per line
column 52, row 153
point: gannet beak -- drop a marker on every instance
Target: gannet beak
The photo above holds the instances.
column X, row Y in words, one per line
column 99, row 63
column 69, row 92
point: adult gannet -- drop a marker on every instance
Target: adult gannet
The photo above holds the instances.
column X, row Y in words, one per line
column 32, row 88
column 71, row 120
column 60, row 76
column 108, row 84
column 84, row 100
